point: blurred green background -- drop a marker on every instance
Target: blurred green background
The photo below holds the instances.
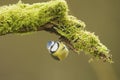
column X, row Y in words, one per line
column 26, row 57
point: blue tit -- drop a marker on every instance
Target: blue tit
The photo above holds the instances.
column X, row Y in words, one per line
column 57, row 50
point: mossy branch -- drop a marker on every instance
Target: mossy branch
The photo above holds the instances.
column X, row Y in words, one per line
column 52, row 16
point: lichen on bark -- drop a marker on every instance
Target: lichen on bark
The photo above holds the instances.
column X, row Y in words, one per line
column 52, row 16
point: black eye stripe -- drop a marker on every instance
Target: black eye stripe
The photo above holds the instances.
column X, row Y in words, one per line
column 52, row 47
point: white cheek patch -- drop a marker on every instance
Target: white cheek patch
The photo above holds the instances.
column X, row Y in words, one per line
column 54, row 47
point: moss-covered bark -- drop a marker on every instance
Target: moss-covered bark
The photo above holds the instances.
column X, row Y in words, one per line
column 25, row 18
column 52, row 16
column 81, row 40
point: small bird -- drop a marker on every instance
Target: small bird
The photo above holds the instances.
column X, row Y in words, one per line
column 57, row 50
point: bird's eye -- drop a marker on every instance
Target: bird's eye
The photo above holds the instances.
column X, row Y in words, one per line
column 54, row 47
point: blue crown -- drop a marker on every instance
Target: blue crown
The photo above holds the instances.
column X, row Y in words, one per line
column 49, row 44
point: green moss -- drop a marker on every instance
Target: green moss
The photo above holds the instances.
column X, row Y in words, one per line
column 26, row 18
column 23, row 18
column 82, row 40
